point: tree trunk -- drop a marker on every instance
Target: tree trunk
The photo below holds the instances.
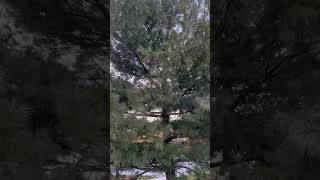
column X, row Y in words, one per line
column 170, row 174
column 165, row 116
column 117, row 176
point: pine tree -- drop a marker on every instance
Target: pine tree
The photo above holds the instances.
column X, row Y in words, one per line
column 163, row 46
column 263, row 76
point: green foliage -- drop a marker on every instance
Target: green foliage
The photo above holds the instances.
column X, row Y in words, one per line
column 163, row 44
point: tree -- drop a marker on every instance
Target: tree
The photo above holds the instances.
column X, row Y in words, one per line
column 47, row 115
column 163, row 46
column 261, row 71
column 78, row 103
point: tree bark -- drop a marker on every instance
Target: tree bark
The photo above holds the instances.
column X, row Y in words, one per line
column 165, row 116
column 170, row 174
column 117, row 175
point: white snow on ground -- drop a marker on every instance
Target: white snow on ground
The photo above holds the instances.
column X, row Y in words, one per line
column 185, row 171
column 133, row 172
column 151, row 119
column 159, row 175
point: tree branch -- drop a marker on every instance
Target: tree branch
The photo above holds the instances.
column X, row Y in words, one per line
column 146, row 71
column 158, row 114
column 189, row 89
column 234, row 162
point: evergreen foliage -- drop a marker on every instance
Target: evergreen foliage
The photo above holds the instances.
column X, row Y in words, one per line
column 164, row 46
column 265, row 55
